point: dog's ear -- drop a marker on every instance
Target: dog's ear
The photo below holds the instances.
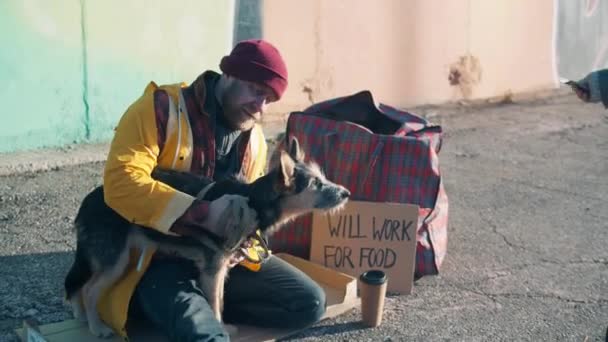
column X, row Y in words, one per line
column 286, row 170
column 294, row 149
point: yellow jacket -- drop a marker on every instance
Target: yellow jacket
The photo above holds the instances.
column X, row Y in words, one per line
column 130, row 190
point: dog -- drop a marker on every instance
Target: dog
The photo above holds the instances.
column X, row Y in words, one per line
column 292, row 187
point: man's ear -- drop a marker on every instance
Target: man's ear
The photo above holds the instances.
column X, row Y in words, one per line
column 286, row 170
column 294, row 149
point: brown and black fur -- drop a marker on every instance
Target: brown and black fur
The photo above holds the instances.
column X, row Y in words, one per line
column 291, row 188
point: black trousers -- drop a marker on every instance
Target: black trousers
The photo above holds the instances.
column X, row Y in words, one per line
column 277, row 296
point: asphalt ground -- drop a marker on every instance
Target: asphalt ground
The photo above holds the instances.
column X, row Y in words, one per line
column 527, row 259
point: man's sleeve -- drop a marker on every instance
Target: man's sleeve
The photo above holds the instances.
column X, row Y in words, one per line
column 129, row 188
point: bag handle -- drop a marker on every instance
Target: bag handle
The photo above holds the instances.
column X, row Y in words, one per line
column 329, row 146
column 372, row 163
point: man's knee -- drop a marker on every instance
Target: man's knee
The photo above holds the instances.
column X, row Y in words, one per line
column 308, row 308
column 170, row 298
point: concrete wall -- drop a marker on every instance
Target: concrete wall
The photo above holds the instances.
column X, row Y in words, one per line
column 581, row 37
column 71, row 67
column 404, row 51
column 41, row 72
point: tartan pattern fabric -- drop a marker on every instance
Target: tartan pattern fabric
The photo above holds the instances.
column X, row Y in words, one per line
column 402, row 167
column 161, row 113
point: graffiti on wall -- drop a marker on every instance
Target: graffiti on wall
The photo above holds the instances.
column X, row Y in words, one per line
column 581, row 37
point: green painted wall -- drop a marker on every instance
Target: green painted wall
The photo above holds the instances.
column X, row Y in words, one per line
column 70, row 68
column 41, row 73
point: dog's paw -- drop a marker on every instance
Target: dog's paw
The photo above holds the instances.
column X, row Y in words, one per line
column 100, row 330
column 81, row 317
column 79, row 312
column 231, row 329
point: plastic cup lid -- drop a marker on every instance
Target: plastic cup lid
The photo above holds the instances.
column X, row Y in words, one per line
column 374, row 277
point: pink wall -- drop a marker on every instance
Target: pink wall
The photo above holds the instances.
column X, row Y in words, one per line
column 405, row 50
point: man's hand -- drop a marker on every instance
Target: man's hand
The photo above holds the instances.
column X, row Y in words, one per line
column 231, row 217
column 236, row 259
column 238, row 256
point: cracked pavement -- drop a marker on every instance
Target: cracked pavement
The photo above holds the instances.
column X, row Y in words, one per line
column 527, row 257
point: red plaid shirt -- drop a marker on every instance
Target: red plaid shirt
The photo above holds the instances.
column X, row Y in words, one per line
column 203, row 154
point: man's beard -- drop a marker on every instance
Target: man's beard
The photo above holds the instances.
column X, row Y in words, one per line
column 234, row 115
column 235, row 118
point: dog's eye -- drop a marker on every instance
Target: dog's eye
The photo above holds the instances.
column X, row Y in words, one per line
column 317, row 183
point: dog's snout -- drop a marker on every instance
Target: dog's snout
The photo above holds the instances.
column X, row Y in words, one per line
column 345, row 193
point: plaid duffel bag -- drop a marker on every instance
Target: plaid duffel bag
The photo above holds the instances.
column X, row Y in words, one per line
column 380, row 154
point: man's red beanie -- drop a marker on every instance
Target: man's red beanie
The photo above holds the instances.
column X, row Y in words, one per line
column 257, row 61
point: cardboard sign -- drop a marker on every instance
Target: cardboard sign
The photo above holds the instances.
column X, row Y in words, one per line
column 368, row 235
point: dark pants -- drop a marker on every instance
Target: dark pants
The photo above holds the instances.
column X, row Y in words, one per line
column 277, row 296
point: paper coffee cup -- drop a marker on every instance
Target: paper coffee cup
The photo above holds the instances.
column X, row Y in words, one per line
column 372, row 287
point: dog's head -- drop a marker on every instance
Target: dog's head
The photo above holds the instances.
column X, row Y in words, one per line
column 293, row 187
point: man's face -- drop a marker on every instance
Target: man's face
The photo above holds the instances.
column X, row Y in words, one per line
column 244, row 103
